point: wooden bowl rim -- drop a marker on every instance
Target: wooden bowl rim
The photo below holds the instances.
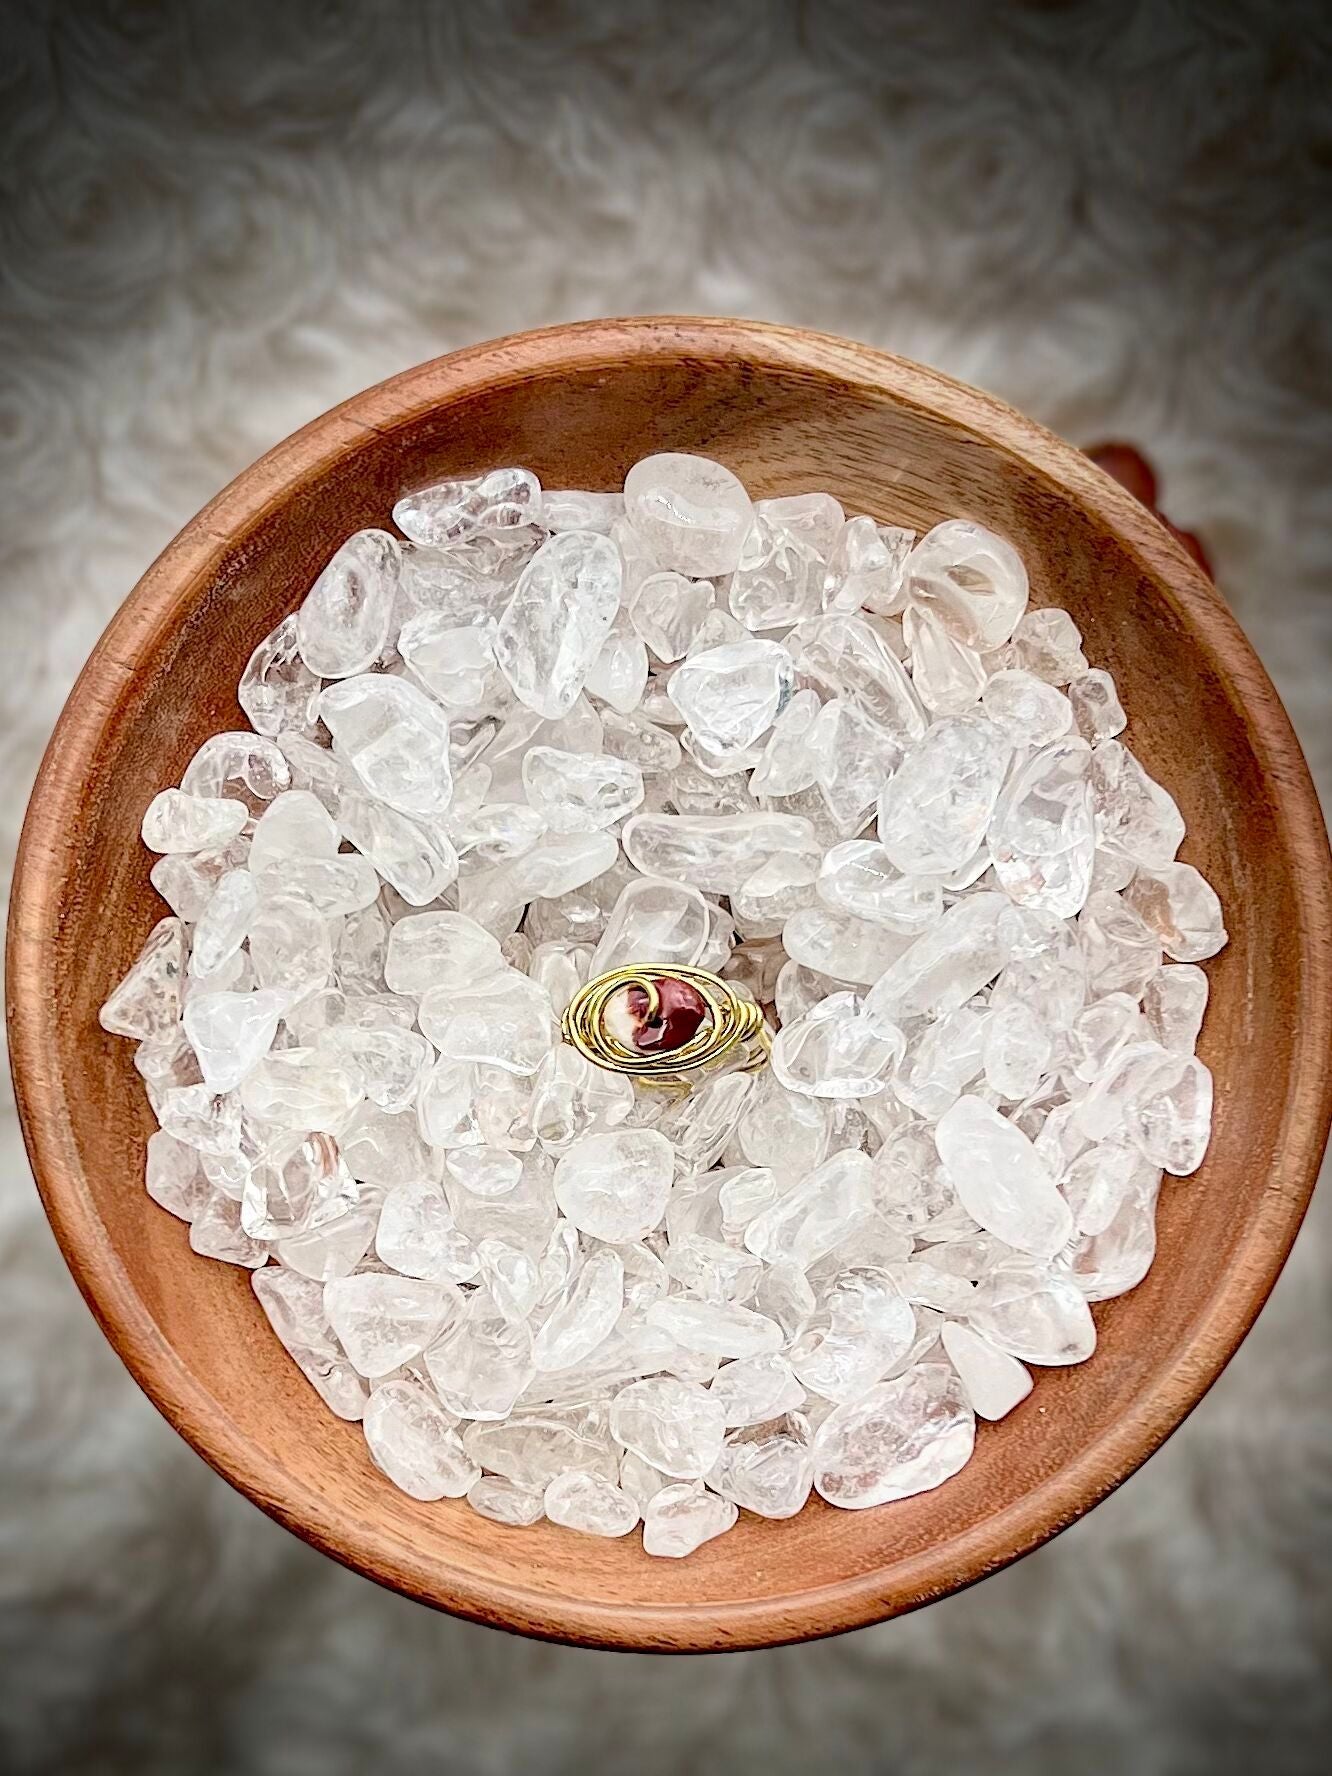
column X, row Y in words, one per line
column 48, row 844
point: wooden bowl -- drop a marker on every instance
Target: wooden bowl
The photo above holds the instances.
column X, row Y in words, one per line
column 787, row 411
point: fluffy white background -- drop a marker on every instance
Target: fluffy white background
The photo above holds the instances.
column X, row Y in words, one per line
column 220, row 221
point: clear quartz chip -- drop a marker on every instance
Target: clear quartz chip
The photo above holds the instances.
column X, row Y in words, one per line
column 668, row 611
column 395, row 738
column 714, row 853
column 294, row 1306
column 676, row 1426
column 591, row 1504
column 384, row 1321
column 177, row 822
column 453, row 511
column 231, row 1032
column 834, row 1051
column 1001, row 1180
column 614, row 1185
column 576, row 793
column 731, row 695
column 1182, row 908
column 904, row 1436
column 971, row 580
column 147, row 1002
column 680, row 1518
column 343, row 625
column 692, row 514
column 993, row 1381
column 563, row 608
column 277, row 689
column 414, row 1440
column 935, row 809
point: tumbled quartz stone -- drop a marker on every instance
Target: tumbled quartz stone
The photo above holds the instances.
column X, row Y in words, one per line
column 505, row 1502
column 903, row 1437
column 1030, row 712
column 1035, row 1314
column 993, row 1382
column 418, row 1237
column 575, row 793
column 584, row 1313
column 730, row 696
column 1017, row 1049
column 809, row 1220
column 662, row 920
column 298, row 1183
column 691, row 514
column 778, row 579
column 384, row 1321
column 224, row 923
column 1048, row 643
column 413, row 1439
column 679, row 1519
column 294, row 1306
column 1001, row 1180
column 452, row 511
column 395, row 738
column 840, row 946
column 1182, row 908
column 865, row 562
column 788, row 764
column 277, row 689
column 753, row 1390
column 862, row 1329
column 344, row 621
column 1174, row 1001
column 767, row 1469
column 619, row 673
column 716, row 854
column 950, row 961
column 971, row 579
column 1170, row 1114
column 935, row 809
column 177, row 822
column 239, row 767
column 835, row 1052
column 1042, row 838
column 948, row 675
column 1097, row 712
column 675, row 1425
column 716, row 1329
column 1135, row 816
column 174, row 1176
column 591, row 1504
column 853, row 757
column 857, row 877
column 562, row 610
column 438, row 950
column 146, row 1004
column 503, row 1020
column 614, row 1185
column 231, row 1032
column 668, row 611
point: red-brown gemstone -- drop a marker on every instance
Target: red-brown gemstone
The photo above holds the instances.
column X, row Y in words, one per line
column 680, row 1013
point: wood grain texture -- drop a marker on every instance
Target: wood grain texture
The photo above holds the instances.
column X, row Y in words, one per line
column 787, row 411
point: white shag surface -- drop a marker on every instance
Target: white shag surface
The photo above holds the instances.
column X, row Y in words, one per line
column 224, row 220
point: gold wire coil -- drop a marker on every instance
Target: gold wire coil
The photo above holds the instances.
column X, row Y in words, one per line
column 731, row 1021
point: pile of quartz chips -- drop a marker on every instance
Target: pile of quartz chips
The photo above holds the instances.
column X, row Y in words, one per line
column 544, row 734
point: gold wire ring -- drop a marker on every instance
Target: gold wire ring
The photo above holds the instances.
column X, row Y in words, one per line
column 730, row 1021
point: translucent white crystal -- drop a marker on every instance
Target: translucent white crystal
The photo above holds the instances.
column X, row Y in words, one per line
column 641, row 741
column 615, row 1185
column 811, row 1219
column 298, row 1184
column 452, row 511
column 865, row 562
column 1097, row 711
column 857, row 877
column 836, row 944
column 836, row 1052
column 174, row 1176
column 294, row 1305
column 949, row 962
column 767, row 1469
column 224, row 923
column 277, row 689
column 1170, row 1114
column 384, row 1321
column 216, row 1232
column 438, row 950
column 504, row 1020
column 862, row 1328
column 664, row 921
column 231, row 1032
column 993, row 1382
column 1001, row 1180
column 175, row 821
column 553, row 868
column 778, row 579
column 716, row 1329
column 948, row 675
column 903, row 1437
column 934, row 812
column 573, row 509
column 561, row 612
column 417, row 1235
column 788, row 764
column 146, row 1003
column 583, row 1315
column 1042, row 838
column 668, row 611
column 675, row 1425
column 973, row 580
column 1174, row 1001
column 413, row 1439
column 1048, row 643
column 1032, row 1313
column 730, row 696
column 395, row 738
column 1122, row 951
column 344, row 622
column 590, row 1503
column 1134, row 815
column 679, row 1519
column 853, row 759
column 574, row 793
column 1182, row 908
column 691, row 513
column 619, row 673
column 504, row 1502
column 1030, row 712
column 290, row 945
column 716, row 854
column 1017, row 1048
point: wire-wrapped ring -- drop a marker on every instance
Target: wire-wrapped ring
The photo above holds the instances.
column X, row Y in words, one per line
column 726, row 1021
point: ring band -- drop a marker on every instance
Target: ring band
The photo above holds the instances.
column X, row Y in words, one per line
column 664, row 1025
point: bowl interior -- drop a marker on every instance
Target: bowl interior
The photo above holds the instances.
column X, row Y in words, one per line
column 787, row 413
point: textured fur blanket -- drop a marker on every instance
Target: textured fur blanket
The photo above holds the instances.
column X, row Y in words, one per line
column 222, row 218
